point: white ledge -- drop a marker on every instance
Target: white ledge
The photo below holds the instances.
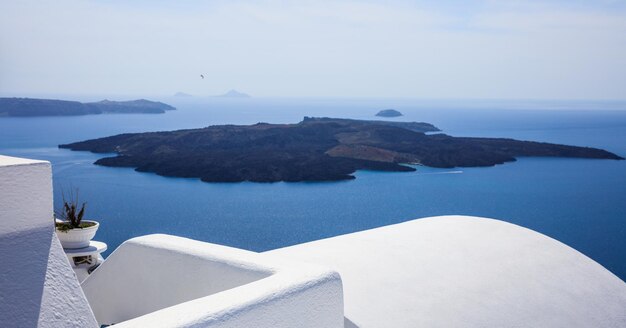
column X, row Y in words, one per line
column 12, row 161
column 167, row 281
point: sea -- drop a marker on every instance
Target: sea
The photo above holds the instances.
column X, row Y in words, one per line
column 580, row 202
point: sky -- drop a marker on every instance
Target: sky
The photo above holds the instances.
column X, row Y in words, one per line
column 503, row 49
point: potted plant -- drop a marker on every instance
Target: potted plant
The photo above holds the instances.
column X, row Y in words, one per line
column 71, row 229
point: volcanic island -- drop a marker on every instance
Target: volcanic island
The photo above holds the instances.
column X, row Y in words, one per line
column 315, row 149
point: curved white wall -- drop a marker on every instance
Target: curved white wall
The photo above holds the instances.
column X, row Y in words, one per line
column 168, row 281
column 38, row 288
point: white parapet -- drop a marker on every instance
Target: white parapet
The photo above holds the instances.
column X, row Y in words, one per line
column 168, row 281
column 37, row 285
column 459, row 271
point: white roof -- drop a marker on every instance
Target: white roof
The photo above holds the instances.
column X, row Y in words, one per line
column 458, row 271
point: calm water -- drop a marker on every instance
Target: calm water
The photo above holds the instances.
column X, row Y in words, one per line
column 579, row 202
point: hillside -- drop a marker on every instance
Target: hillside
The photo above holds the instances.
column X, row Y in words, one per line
column 29, row 107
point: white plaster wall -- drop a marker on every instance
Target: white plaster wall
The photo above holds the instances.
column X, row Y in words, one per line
column 279, row 301
column 38, row 288
column 159, row 272
column 459, row 271
column 168, row 281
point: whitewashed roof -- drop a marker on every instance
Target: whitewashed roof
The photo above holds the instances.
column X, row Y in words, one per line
column 458, row 271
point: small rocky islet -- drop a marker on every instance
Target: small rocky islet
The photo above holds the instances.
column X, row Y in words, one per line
column 389, row 113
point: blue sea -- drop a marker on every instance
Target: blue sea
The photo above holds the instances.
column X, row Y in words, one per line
column 579, row 202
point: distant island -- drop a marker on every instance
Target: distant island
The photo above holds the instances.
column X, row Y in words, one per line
column 316, row 149
column 389, row 113
column 28, row 107
column 182, row 94
column 234, row 94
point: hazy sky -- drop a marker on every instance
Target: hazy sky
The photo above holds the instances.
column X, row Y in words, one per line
column 426, row 49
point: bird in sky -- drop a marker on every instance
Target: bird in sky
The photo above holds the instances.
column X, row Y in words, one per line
column 202, row 76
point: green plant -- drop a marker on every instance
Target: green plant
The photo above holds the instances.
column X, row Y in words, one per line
column 71, row 213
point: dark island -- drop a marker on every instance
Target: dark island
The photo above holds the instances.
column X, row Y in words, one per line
column 389, row 113
column 316, row 149
column 27, row 107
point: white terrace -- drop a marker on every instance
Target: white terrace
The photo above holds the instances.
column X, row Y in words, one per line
column 451, row 271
